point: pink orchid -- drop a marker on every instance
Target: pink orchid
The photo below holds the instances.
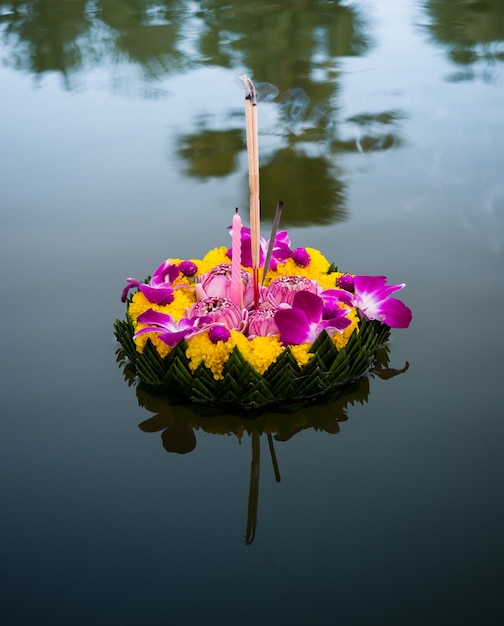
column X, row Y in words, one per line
column 159, row 289
column 281, row 249
column 170, row 332
column 303, row 322
column 371, row 295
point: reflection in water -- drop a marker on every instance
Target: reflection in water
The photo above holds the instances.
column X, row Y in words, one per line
column 209, row 153
column 300, row 169
column 178, row 423
column 311, row 192
column 75, row 36
column 163, row 36
column 473, row 34
column 298, row 83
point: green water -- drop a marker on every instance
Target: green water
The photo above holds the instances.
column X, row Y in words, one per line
column 122, row 143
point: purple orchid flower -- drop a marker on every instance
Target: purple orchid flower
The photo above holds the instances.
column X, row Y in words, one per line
column 170, row 332
column 159, row 289
column 281, row 249
column 371, row 296
column 303, row 322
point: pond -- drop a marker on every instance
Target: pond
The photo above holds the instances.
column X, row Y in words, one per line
column 122, row 143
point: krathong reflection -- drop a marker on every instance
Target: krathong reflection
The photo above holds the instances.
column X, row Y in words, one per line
column 179, row 424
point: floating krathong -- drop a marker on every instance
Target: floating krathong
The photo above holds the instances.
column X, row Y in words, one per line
column 257, row 324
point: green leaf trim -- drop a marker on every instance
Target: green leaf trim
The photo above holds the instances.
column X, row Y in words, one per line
column 242, row 387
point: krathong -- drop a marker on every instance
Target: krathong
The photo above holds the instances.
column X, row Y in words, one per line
column 256, row 323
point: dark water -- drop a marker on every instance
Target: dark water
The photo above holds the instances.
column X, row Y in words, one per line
column 122, row 143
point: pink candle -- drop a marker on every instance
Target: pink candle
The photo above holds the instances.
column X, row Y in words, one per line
column 236, row 281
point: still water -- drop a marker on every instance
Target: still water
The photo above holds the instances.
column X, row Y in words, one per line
column 122, row 143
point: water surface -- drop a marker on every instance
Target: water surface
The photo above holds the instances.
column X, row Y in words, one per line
column 122, row 143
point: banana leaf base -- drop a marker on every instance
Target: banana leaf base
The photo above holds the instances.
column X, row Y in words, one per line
column 283, row 385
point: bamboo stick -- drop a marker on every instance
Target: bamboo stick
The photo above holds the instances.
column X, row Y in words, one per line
column 253, row 167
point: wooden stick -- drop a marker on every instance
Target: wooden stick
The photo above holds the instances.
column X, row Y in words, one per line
column 253, row 166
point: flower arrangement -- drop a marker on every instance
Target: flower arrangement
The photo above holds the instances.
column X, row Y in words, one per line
column 213, row 331
column 303, row 330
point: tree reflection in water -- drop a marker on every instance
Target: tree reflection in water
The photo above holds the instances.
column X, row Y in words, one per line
column 161, row 39
column 472, row 34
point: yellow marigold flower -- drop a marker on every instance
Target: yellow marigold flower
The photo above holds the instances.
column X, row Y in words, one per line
column 212, row 259
column 138, row 305
column 212, row 355
column 260, row 352
column 162, row 348
column 289, row 268
column 182, row 299
column 328, row 281
column 301, row 354
column 317, row 266
column 341, row 339
column 316, row 269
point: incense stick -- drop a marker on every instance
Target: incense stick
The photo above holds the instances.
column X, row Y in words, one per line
column 271, row 245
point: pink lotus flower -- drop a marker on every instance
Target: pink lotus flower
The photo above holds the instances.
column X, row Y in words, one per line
column 261, row 322
column 284, row 288
column 219, row 310
column 217, row 283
